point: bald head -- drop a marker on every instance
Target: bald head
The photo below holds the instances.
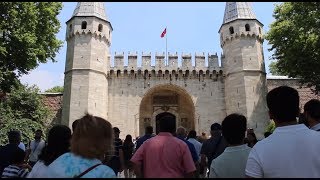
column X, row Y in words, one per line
column 181, row 131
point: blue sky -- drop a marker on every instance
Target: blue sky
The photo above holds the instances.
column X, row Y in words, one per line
column 192, row 27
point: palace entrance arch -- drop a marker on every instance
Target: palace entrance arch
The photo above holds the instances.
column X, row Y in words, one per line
column 170, row 99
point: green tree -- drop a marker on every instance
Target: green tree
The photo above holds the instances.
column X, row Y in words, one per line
column 271, row 127
column 274, row 70
column 27, row 37
column 23, row 110
column 55, row 89
column 295, row 39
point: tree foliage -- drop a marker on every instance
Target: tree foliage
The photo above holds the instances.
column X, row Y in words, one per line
column 55, row 89
column 23, row 110
column 27, row 37
column 274, row 69
column 295, row 39
column 271, row 127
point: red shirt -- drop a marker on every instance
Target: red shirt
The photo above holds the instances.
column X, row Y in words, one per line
column 164, row 156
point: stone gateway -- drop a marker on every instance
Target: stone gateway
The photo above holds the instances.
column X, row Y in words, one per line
column 133, row 97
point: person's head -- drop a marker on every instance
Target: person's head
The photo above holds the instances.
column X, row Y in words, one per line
column 192, row 134
column 234, row 128
column 128, row 138
column 74, row 125
column 283, row 104
column 149, row 130
column 312, row 112
column 266, row 134
column 14, row 137
column 302, row 119
column 92, row 138
column 181, row 131
column 251, row 136
column 203, row 134
column 215, row 129
column 58, row 143
column 18, row 156
column 167, row 123
column 38, row 134
column 116, row 132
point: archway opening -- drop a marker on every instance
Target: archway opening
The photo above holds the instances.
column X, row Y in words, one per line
column 166, row 98
column 159, row 117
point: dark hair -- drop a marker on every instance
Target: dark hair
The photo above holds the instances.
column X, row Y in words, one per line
column 58, row 143
column 266, row 134
column 192, row 134
column 74, row 124
column 149, row 130
column 283, row 103
column 234, row 128
column 39, row 130
column 215, row 126
column 116, row 130
column 17, row 155
column 255, row 140
column 167, row 123
column 312, row 107
column 14, row 137
column 128, row 138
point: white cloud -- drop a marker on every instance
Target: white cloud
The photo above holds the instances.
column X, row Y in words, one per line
column 43, row 79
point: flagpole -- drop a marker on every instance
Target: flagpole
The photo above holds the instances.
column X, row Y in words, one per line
column 166, row 48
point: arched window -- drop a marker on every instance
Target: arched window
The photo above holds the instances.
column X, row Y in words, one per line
column 247, row 26
column 84, row 25
column 70, row 27
column 100, row 27
column 259, row 30
column 231, row 30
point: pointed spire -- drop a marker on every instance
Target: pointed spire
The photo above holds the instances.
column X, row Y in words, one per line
column 90, row 9
column 238, row 10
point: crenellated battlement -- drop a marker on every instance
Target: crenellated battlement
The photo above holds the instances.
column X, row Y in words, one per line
column 204, row 63
column 169, row 67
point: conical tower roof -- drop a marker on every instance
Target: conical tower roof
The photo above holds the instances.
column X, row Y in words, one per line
column 90, row 9
column 238, row 10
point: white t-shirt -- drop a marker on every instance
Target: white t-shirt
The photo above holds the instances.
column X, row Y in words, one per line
column 289, row 152
column 36, row 148
column 22, row 146
column 39, row 170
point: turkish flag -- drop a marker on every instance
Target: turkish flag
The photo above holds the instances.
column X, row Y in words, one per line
column 163, row 33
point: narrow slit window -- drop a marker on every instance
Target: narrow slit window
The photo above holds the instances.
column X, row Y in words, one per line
column 100, row 27
column 247, row 26
column 84, row 25
column 231, row 30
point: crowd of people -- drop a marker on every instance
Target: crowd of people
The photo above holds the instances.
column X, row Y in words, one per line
column 93, row 148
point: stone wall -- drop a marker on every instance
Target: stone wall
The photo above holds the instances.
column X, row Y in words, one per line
column 305, row 93
column 126, row 96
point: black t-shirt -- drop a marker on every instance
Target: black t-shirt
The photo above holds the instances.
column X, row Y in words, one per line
column 213, row 147
column 117, row 145
column 6, row 154
column 128, row 149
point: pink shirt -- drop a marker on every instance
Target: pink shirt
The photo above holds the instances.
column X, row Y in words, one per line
column 164, row 156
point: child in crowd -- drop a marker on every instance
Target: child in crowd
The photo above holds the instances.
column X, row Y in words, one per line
column 18, row 168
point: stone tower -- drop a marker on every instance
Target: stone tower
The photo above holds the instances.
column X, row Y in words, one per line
column 243, row 60
column 88, row 39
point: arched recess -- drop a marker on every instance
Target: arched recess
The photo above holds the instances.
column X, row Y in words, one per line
column 167, row 98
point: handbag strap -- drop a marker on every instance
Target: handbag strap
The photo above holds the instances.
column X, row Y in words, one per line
column 86, row 171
